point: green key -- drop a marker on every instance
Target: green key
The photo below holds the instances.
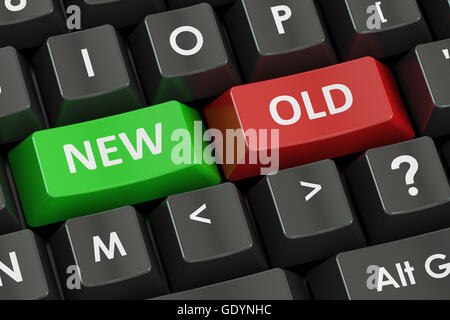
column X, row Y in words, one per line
column 111, row 162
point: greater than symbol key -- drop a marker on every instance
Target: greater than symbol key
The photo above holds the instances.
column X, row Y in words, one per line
column 316, row 188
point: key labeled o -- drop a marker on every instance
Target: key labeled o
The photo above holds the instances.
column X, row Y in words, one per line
column 198, row 35
column 276, row 116
column 16, row 6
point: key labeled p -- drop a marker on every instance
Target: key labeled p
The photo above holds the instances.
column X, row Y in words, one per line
column 281, row 14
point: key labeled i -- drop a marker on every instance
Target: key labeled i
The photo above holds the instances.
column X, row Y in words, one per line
column 88, row 63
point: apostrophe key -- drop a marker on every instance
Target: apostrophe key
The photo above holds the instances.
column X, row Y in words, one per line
column 108, row 163
column 277, row 39
column 401, row 190
column 410, row 269
column 25, row 269
column 275, row 284
column 202, row 231
column 375, row 28
column 438, row 14
column 20, row 109
column 306, row 212
column 183, row 55
column 311, row 116
column 109, row 255
column 119, row 13
column 9, row 220
column 86, row 75
column 425, row 77
column 25, row 24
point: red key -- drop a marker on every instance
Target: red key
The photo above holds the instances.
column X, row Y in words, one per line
column 325, row 113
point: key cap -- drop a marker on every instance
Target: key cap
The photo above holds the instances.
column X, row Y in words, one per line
column 25, row 270
column 108, row 255
column 9, row 220
column 311, row 116
column 438, row 17
column 86, row 75
column 409, row 269
column 176, row 4
column 108, row 163
column 20, row 111
column 203, row 231
column 305, row 209
column 424, row 75
column 178, row 52
column 375, row 28
column 119, row 13
column 277, row 39
column 25, row 24
column 274, row 284
column 401, row 190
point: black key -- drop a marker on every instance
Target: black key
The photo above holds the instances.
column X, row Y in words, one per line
column 375, row 28
column 175, row 4
column 20, row 111
column 9, row 220
column 409, row 269
column 181, row 55
column 401, row 190
column 201, row 232
column 25, row 269
column 425, row 76
column 113, row 255
column 274, row 284
column 119, row 13
column 305, row 210
column 25, row 24
column 438, row 16
column 86, row 75
column 277, row 39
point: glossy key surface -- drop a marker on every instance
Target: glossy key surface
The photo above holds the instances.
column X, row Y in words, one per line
column 321, row 114
column 106, row 163
column 410, row 269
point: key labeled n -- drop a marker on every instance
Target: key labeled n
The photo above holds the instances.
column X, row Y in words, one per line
column 14, row 272
column 114, row 243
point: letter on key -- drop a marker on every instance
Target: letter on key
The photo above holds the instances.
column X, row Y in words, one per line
column 113, row 255
column 321, row 114
column 25, row 269
column 107, row 163
column 277, row 40
column 183, row 55
column 86, row 75
column 416, row 268
column 203, row 231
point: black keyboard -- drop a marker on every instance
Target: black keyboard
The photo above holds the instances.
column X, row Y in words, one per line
column 224, row 149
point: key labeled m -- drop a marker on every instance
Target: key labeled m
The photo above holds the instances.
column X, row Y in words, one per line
column 13, row 273
column 114, row 242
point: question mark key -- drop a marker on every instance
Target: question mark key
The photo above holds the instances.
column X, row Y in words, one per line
column 401, row 190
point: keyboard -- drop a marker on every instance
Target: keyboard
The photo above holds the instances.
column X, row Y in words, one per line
column 225, row 149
